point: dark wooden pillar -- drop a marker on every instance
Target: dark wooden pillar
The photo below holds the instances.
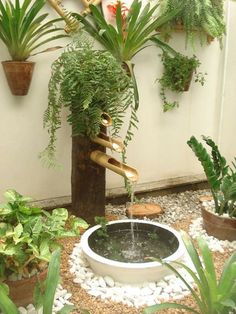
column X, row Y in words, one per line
column 87, row 180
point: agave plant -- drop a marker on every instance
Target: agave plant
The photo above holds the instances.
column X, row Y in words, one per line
column 213, row 296
column 131, row 34
column 221, row 177
column 23, row 29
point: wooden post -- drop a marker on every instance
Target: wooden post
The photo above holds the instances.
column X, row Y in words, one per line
column 87, row 180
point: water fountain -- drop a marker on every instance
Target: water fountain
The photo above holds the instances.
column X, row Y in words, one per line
column 126, row 261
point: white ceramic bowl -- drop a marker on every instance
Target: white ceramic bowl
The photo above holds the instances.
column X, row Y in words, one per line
column 130, row 272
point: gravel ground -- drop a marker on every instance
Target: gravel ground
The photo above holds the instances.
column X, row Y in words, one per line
column 180, row 209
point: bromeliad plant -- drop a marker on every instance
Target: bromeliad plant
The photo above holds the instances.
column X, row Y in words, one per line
column 23, row 29
column 177, row 76
column 212, row 296
column 28, row 235
column 221, row 177
column 131, row 34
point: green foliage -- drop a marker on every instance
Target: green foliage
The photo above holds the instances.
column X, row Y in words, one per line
column 44, row 291
column 131, row 33
column 221, row 177
column 23, row 29
column 6, row 305
column 199, row 18
column 28, row 235
column 102, row 221
column 177, row 75
column 88, row 82
column 212, row 296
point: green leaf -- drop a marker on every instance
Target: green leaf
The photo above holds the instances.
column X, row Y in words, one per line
column 6, row 305
column 51, row 282
column 60, row 213
column 66, row 309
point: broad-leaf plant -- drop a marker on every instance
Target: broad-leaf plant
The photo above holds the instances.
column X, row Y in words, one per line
column 221, row 177
column 44, row 292
column 28, row 235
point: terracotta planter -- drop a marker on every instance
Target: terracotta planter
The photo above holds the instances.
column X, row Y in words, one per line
column 22, row 291
column 18, row 74
column 222, row 228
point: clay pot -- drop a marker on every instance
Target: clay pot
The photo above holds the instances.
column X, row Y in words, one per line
column 19, row 75
column 22, row 291
column 222, row 228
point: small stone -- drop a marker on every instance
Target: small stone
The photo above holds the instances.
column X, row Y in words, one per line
column 109, row 281
column 102, row 282
column 22, row 310
column 152, row 286
column 146, row 291
column 95, row 293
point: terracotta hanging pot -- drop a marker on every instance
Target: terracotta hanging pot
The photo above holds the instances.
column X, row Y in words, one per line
column 18, row 74
column 22, row 291
column 223, row 228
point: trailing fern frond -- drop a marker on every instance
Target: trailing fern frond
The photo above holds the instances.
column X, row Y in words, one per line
column 88, row 82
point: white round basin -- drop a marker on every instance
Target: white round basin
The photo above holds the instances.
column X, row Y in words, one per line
column 132, row 272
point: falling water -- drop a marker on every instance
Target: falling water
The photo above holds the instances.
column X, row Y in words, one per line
column 131, row 185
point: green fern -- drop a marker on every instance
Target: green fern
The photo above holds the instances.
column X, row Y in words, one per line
column 198, row 17
column 88, row 82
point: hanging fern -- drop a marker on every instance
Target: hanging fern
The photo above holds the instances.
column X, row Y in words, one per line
column 88, row 82
column 201, row 18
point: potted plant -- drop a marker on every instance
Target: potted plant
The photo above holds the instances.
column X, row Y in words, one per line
column 44, row 292
column 219, row 221
column 129, row 31
column 177, row 75
column 28, row 237
column 213, row 295
column 22, row 30
column 203, row 19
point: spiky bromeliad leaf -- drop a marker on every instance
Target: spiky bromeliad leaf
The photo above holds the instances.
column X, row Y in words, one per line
column 88, row 82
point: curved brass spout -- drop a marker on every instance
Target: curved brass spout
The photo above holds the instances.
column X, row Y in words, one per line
column 71, row 23
column 109, row 142
column 106, row 119
column 111, row 163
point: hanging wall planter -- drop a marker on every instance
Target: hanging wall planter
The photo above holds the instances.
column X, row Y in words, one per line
column 18, row 75
column 177, row 76
column 30, row 31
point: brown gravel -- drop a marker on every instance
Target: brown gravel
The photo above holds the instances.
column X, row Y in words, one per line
column 97, row 306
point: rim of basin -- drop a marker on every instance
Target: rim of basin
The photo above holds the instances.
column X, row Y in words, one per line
column 173, row 257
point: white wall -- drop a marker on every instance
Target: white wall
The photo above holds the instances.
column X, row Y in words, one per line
column 159, row 149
